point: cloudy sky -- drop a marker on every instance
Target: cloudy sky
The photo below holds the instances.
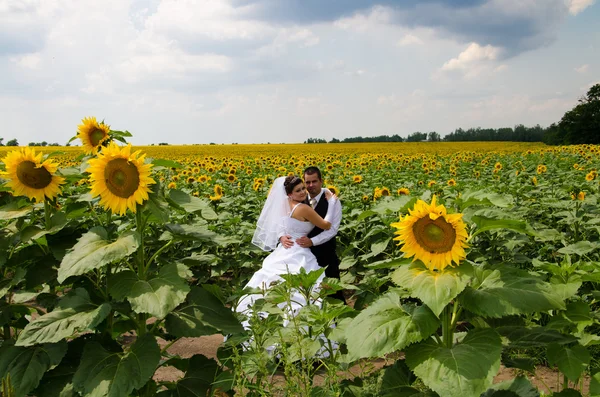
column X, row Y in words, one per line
column 251, row 71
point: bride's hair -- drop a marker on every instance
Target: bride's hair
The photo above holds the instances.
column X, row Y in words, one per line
column 290, row 183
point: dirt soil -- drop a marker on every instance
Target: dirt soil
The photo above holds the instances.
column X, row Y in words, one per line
column 545, row 379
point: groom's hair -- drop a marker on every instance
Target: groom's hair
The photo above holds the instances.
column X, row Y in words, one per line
column 291, row 182
column 313, row 170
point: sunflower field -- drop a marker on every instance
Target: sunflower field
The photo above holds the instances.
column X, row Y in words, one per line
column 459, row 260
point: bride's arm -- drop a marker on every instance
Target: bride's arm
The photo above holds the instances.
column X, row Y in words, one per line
column 311, row 215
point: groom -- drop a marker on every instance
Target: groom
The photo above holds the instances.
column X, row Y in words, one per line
column 321, row 242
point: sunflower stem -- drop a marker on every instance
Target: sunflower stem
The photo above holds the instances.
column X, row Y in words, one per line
column 157, row 253
column 447, row 330
column 47, row 213
column 141, row 268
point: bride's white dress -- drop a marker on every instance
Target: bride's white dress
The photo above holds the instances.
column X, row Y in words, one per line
column 282, row 261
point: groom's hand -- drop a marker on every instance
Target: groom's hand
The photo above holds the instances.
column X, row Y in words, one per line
column 286, row 241
column 304, row 242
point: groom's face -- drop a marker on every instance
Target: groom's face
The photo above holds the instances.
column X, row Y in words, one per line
column 313, row 184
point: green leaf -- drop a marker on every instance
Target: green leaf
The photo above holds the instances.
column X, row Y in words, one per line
column 202, row 314
column 389, row 263
column 198, row 379
column 595, row 384
column 571, row 361
column 198, row 232
column 435, row 289
column 27, row 365
column 379, row 247
column 399, row 204
column 387, row 326
column 579, row 248
column 94, row 250
column 579, row 313
column 105, row 373
column 347, row 262
column 13, row 211
column 466, row 369
column 192, row 204
column 506, row 291
column 521, row 337
column 395, row 378
column 518, row 387
column 74, row 313
column 366, row 214
column 480, row 197
column 157, row 296
column 485, row 224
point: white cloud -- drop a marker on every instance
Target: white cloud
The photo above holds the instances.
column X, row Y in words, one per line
column 205, row 20
column 582, row 69
column 28, row 61
column 363, row 22
column 576, row 6
column 410, row 39
column 474, row 61
column 473, row 55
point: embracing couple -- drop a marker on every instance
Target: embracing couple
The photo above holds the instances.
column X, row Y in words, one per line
column 299, row 222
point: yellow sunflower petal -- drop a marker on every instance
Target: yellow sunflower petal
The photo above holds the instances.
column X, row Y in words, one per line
column 28, row 176
column 120, row 178
column 429, row 234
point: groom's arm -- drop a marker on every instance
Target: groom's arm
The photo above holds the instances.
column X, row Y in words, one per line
column 334, row 212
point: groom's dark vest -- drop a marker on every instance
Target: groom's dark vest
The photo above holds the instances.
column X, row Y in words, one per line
column 325, row 253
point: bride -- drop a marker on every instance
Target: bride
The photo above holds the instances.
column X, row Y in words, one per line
column 285, row 212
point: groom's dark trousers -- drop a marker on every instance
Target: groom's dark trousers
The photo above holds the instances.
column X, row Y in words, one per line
column 326, row 253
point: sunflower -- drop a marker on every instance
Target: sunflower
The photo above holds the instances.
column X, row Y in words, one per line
column 120, row 178
column 428, row 233
column 357, row 179
column 581, row 196
column 29, row 176
column 590, row 176
column 202, row 178
column 333, row 190
column 218, row 189
column 92, row 134
column 172, row 185
column 451, row 182
column 431, row 183
column 403, row 191
column 385, row 191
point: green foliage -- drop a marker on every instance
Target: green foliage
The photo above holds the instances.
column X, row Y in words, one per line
column 580, row 124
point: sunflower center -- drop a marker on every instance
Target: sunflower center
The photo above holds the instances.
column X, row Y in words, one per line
column 122, row 178
column 30, row 176
column 434, row 236
column 96, row 135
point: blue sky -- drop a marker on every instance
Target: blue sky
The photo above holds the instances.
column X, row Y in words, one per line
column 252, row 71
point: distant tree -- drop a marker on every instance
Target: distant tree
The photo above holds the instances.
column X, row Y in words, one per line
column 334, row 140
column 433, row 137
column 417, row 137
column 1, row 142
column 315, row 140
column 12, row 142
column 580, row 124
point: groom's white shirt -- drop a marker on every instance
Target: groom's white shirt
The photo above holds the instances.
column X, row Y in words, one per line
column 334, row 212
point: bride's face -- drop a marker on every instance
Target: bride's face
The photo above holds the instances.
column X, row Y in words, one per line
column 298, row 193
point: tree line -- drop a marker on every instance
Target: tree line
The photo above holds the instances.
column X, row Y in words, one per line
column 579, row 125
